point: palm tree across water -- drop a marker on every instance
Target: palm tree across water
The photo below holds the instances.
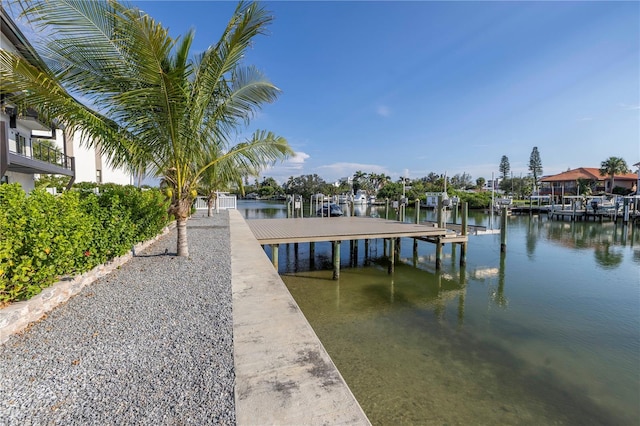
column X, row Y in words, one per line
column 153, row 106
column 613, row 166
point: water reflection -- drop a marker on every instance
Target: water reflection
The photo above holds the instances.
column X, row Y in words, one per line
column 257, row 209
column 608, row 256
column 602, row 238
column 421, row 284
column 497, row 296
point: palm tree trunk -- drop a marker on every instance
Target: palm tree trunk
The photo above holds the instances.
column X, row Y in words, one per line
column 183, row 247
column 182, row 211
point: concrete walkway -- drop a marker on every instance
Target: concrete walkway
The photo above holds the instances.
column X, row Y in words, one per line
column 283, row 373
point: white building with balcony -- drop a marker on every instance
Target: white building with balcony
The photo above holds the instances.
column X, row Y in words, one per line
column 29, row 147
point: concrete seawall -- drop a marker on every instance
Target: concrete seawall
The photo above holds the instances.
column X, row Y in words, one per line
column 283, row 373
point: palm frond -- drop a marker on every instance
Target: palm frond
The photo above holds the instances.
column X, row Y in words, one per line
column 261, row 150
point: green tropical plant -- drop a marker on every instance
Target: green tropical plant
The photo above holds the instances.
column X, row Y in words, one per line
column 305, row 185
column 53, row 181
column 45, row 237
column 613, row 166
column 360, row 180
column 392, row 191
column 378, row 180
column 585, row 186
column 214, row 180
column 155, row 108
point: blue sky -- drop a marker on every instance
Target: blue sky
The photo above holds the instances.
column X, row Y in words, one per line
column 418, row 87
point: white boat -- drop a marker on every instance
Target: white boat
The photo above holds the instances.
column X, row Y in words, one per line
column 360, row 197
column 343, row 199
column 604, row 204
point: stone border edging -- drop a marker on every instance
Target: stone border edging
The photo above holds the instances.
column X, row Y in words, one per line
column 17, row 316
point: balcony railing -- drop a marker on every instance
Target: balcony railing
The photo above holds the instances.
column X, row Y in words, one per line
column 41, row 151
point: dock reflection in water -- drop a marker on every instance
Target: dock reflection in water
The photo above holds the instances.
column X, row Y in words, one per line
column 547, row 334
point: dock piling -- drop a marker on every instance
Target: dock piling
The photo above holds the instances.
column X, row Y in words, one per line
column 312, row 254
column 336, row 260
column 274, row 255
column 625, row 211
column 503, row 230
column 392, row 254
column 366, row 249
column 463, row 246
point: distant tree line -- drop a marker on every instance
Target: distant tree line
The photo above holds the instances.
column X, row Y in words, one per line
column 379, row 185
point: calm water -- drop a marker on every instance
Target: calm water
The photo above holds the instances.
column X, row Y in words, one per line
column 548, row 334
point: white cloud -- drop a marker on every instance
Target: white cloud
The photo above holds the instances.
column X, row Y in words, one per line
column 383, row 111
column 298, row 159
column 335, row 171
column 291, row 167
column 630, row 107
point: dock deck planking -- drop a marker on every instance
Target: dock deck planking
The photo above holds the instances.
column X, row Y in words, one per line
column 307, row 230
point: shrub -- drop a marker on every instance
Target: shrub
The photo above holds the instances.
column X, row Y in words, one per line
column 44, row 237
column 476, row 200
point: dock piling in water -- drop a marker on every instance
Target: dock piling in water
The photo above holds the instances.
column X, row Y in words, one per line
column 274, row 255
column 465, row 219
column 392, row 254
column 503, row 230
column 336, row 259
column 438, row 254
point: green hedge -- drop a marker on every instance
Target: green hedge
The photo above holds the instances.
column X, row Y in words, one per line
column 44, row 237
column 476, row 200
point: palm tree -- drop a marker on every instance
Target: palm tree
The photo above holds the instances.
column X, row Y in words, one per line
column 220, row 177
column 613, row 166
column 152, row 106
column 359, row 178
column 378, row 180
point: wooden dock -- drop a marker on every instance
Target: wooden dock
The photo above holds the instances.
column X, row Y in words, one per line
column 336, row 229
column 315, row 229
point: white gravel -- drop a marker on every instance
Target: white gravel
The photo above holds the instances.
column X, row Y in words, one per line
column 149, row 344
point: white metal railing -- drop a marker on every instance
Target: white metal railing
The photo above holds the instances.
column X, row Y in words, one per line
column 200, row 203
column 223, row 201
column 226, row 202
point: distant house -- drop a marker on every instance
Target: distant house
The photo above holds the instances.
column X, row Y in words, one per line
column 567, row 182
column 30, row 147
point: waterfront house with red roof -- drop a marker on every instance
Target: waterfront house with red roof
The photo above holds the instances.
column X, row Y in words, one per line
column 567, row 182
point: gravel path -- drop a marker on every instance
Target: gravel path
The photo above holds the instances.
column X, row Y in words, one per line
column 151, row 343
